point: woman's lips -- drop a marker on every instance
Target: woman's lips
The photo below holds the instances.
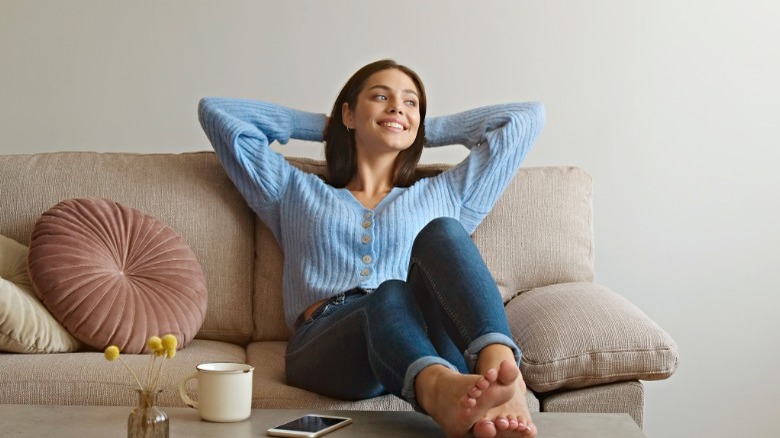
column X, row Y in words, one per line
column 395, row 124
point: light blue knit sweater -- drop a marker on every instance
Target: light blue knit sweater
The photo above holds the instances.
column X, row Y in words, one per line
column 330, row 241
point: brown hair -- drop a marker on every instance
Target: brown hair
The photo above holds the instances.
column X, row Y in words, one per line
column 340, row 152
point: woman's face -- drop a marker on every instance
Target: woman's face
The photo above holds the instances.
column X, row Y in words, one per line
column 386, row 115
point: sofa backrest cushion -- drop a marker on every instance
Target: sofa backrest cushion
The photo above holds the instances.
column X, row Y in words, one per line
column 189, row 192
column 539, row 233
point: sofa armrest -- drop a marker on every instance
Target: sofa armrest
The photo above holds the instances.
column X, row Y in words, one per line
column 576, row 335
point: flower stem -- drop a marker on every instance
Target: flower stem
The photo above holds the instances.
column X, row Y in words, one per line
column 157, row 374
column 131, row 373
column 150, row 371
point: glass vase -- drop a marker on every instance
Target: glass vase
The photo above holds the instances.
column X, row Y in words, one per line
column 147, row 420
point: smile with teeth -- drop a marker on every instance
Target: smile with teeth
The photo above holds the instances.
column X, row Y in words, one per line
column 392, row 125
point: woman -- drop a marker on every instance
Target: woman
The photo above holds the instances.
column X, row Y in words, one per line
column 383, row 288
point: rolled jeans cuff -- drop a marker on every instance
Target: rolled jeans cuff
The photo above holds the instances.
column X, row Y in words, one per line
column 472, row 351
column 411, row 375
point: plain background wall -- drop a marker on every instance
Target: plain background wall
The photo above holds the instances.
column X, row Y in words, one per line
column 672, row 106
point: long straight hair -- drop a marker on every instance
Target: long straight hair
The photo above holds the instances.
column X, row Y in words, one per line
column 340, row 148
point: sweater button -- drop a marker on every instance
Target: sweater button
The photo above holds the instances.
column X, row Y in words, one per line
column 366, row 259
column 366, row 238
column 365, row 272
column 366, row 224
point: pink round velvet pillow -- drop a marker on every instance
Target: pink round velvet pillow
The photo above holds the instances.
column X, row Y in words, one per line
column 113, row 275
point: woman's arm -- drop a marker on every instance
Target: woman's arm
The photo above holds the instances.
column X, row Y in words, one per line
column 471, row 127
column 499, row 138
column 277, row 122
column 241, row 130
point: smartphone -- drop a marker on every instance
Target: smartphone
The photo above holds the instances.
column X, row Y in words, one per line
column 310, row 426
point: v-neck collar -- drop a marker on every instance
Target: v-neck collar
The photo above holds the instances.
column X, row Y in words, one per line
column 347, row 196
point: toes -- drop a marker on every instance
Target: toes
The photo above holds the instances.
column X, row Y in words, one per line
column 484, row 429
column 491, row 375
column 476, row 390
column 521, row 426
column 507, row 372
column 501, row 423
column 468, row 402
column 484, row 382
column 526, row 428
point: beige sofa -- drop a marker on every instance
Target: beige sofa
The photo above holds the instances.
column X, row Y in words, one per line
column 585, row 347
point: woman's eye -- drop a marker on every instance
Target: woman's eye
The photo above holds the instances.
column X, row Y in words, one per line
column 380, row 97
column 411, row 102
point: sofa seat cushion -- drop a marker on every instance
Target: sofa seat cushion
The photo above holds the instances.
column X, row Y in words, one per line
column 269, row 389
column 575, row 335
column 114, row 275
column 620, row 397
column 87, row 378
column 271, row 392
column 26, row 326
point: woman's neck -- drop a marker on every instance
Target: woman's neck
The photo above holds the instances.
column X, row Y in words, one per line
column 372, row 181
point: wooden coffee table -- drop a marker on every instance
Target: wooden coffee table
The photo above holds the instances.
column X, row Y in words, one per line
column 111, row 421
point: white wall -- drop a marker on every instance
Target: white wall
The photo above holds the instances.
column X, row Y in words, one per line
column 672, row 107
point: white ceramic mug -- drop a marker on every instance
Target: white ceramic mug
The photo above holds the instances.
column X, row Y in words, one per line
column 224, row 391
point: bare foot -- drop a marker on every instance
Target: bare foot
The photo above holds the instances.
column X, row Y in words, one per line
column 512, row 419
column 456, row 401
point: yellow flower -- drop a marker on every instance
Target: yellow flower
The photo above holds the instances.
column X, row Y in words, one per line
column 111, row 353
column 164, row 348
column 155, row 344
column 169, row 342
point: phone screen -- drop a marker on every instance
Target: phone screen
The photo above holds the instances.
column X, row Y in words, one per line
column 310, row 426
column 310, row 423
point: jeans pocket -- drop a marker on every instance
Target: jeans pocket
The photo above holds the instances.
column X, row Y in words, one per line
column 318, row 312
column 326, row 308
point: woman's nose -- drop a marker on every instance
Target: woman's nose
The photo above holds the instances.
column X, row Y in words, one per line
column 396, row 108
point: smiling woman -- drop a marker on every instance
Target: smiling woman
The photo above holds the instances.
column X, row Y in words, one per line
column 384, row 123
column 384, row 290
column 387, row 113
column 340, row 143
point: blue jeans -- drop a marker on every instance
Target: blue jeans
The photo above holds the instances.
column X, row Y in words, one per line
column 362, row 344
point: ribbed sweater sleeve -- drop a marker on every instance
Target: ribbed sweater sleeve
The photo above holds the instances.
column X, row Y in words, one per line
column 240, row 131
column 499, row 137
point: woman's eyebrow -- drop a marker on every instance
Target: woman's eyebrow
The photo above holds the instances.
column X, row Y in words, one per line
column 386, row 88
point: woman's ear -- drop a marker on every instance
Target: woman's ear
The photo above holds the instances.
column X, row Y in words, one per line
column 346, row 115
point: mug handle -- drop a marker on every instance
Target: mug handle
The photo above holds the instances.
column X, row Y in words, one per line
column 183, row 391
